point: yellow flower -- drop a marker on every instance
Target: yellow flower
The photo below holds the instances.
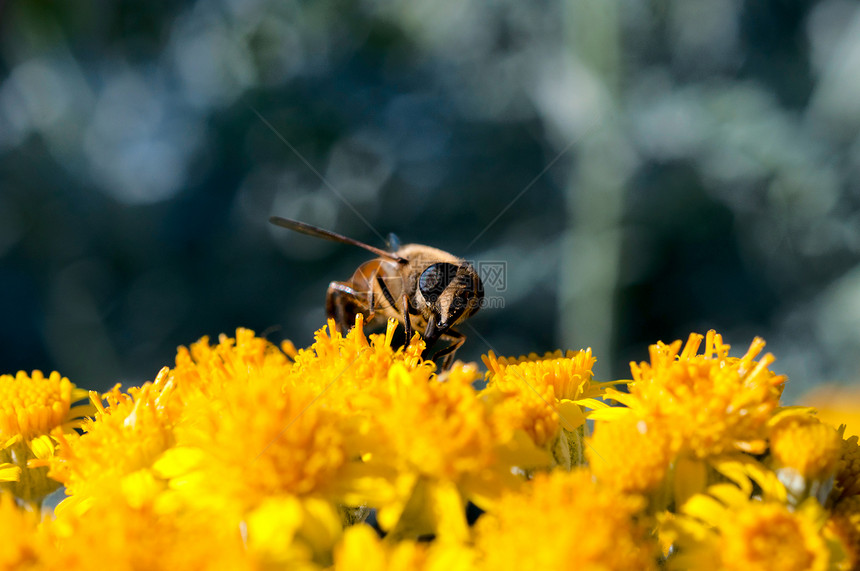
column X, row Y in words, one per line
column 768, row 536
column 287, row 532
column 350, row 372
column 533, row 412
column 844, row 523
column 145, row 533
column 361, row 548
column 31, row 407
column 805, row 454
column 727, row 530
column 247, row 436
column 441, row 438
column 438, row 428
column 631, row 454
column 544, row 396
column 563, row 520
column 128, row 435
column 23, row 545
column 713, row 402
column 848, row 474
column 209, row 369
column 569, row 374
column 845, row 499
column 807, row 445
column 714, row 407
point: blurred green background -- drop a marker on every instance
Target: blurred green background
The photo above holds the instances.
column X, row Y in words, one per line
column 643, row 170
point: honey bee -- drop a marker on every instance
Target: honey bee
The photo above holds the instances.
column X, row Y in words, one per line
column 424, row 288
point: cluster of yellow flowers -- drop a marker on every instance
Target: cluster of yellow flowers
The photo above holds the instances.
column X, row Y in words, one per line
column 245, row 455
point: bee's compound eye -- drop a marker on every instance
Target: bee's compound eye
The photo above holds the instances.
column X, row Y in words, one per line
column 435, row 279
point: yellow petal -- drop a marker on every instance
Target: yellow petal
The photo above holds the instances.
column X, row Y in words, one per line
column 570, row 415
column 703, row 507
column 9, row 472
column 609, row 414
column 43, row 447
column 743, row 470
column 449, row 511
column 690, row 479
column 178, row 461
column 593, row 404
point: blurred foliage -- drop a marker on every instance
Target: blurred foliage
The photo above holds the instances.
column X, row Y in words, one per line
column 143, row 145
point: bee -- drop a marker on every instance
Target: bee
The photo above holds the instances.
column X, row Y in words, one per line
column 424, row 288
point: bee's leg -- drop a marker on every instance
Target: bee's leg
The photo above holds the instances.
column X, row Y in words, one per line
column 402, row 308
column 343, row 303
column 457, row 339
column 407, row 321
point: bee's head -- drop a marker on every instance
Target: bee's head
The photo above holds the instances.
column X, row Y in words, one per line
column 452, row 292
